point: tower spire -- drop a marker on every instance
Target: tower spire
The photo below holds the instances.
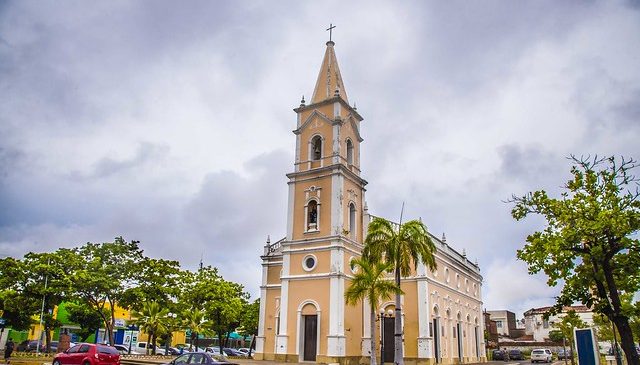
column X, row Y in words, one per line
column 329, row 82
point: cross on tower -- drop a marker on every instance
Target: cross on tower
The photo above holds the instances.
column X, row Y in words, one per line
column 330, row 29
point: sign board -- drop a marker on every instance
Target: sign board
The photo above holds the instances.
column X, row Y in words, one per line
column 586, row 346
column 120, row 322
column 130, row 336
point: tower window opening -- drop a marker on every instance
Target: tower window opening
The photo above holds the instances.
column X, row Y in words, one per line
column 312, row 218
column 316, row 146
column 352, row 220
column 349, row 152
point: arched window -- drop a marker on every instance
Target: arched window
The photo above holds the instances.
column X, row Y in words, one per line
column 349, row 152
column 312, row 215
column 316, row 148
column 352, row 220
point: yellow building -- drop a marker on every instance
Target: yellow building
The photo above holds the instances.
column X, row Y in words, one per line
column 303, row 316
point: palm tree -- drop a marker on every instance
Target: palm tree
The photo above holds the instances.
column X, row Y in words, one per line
column 195, row 322
column 151, row 319
column 399, row 245
column 369, row 282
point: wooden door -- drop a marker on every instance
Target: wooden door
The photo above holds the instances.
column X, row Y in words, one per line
column 436, row 339
column 310, row 337
column 389, row 340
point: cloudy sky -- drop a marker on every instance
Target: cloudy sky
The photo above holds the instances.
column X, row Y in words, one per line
column 170, row 122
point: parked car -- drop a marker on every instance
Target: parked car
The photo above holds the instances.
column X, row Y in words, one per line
column 541, row 355
column 233, row 352
column 141, row 348
column 244, row 350
column 122, row 349
column 214, row 350
column 30, row 346
column 201, row 358
column 516, row 355
column 562, row 354
column 88, row 354
column 497, row 355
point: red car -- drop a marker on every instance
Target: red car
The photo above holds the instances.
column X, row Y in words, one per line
column 88, row 354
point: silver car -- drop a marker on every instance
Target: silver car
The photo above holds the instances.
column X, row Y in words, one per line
column 541, row 355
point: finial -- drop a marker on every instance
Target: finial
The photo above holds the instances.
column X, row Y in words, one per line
column 302, row 102
column 330, row 29
column 444, row 238
column 268, row 239
column 464, row 252
column 354, row 106
column 366, row 206
column 475, row 262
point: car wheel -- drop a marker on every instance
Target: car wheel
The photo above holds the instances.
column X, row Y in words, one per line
column 56, row 362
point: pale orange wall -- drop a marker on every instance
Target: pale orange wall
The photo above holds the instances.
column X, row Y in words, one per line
column 299, row 292
column 353, row 322
column 347, row 132
column 273, row 274
column 323, row 264
column 410, row 309
column 270, row 320
column 349, row 185
column 325, row 208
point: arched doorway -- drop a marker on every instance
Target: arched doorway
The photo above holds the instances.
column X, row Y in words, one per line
column 387, row 330
column 309, row 329
column 436, row 336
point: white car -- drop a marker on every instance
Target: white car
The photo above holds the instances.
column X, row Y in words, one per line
column 141, row 348
column 541, row 355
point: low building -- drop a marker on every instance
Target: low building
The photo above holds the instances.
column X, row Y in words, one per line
column 505, row 322
column 539, row 327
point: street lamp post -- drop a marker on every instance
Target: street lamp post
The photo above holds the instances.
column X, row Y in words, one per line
column 131, row 328
column 381, row 316
column 172, row 318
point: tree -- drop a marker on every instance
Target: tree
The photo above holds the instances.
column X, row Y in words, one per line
column 399, row 245
column 35, row 286
column 156, row 280
column 589, row 241
column 566, row 326
column 369, row 283
column 152, row 319
column 194, row 322
column 86, row 317
column 102, row 273
column 249, row 320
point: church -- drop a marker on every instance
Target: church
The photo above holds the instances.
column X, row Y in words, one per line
column 303, row 315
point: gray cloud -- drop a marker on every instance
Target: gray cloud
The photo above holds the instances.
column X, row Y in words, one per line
column 171, row 123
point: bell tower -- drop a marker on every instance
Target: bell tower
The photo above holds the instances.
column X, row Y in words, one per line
column 302, row 309
column 326, row 190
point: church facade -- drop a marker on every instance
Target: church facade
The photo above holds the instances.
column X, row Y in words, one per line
column 303, row 315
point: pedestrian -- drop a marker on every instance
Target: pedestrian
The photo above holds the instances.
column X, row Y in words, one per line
column 8, row 350
column 506, row 355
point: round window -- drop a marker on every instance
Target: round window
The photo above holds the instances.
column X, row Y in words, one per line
column 309, row 262
column 352, row 265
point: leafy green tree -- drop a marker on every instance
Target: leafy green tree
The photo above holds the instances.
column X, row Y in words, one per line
column 102, row 273
column 152, row 319
column 86, row 317
column 156, row 280
column 249, row 320
column 224, row 308
column 401, row 245
column 370, row 283
column 590, row 239
column 195, row 323
column 566, row 326
column 35, row 286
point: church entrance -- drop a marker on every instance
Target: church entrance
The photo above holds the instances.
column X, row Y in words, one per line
column 310, row 337
column 436, row 340
column 388, row 338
